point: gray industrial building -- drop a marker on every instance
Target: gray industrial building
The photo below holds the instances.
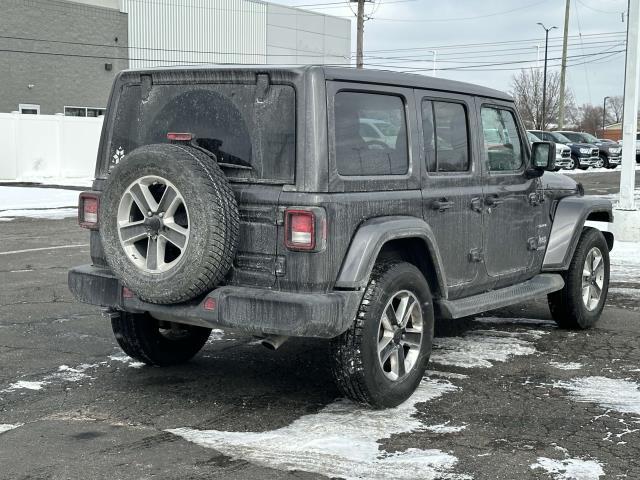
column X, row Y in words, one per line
column 60, row 56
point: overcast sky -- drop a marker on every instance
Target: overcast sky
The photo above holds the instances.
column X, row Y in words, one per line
column 458, row 28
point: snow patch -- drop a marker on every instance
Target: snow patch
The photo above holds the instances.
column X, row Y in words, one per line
column 342, row 440
column 478, row 348
column 24, row 385
column 610, row 393
column 69, row 374
column 45, row 213
column 566, row 366
column 126, row 359
column 570, row 468
column 625, row 262
column 21, row 198
column 216, row 335
column 445, row 428
column 5, row 427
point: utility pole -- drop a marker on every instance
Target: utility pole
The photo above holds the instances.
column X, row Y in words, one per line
column 563, row 67
column 360, row 34
column 604, row 114
column 629, row 221
column 544, row 81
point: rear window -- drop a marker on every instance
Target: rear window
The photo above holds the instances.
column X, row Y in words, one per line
column 250, row 130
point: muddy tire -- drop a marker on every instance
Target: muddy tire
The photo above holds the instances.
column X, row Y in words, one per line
column 382, row 358
column 168, row 223
column 157, row 343
column 579, row 304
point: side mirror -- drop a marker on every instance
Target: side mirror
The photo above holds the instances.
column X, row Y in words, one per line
column 543, row 156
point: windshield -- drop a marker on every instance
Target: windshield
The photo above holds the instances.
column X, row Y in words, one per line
column 559, row 138
column 589, row 138
column 250, row 130
column 532, row 138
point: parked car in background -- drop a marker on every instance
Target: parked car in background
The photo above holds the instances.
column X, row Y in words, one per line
column 637, row 147
column 583, row 155
column 563, row 153
column 607, row 140
column 610, row 153
column 378, row 133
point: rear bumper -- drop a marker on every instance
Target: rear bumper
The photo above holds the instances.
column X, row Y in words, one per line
column 252, row 310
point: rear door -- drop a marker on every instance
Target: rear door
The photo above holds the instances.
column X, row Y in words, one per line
column 513, row 219
column 451, row 187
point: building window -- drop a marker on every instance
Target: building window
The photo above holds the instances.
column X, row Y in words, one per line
column 29, row 109
column 83, row 111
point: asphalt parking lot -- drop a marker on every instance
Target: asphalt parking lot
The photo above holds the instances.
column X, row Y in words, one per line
column 508, row 395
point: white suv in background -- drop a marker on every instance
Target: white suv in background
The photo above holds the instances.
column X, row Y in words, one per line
column 563, row 153
column 637, row 147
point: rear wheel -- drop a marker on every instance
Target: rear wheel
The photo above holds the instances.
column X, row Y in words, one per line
column 156, row 342
column 579, row 304
column 381, row 359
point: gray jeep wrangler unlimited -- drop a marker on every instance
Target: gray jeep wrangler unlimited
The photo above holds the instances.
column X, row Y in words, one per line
column 248, row 198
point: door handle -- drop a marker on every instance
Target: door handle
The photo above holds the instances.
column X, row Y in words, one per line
column 476, row 204
column 441, row 204
column 493, row 201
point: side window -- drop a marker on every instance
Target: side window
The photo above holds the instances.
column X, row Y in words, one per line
column 358, row 153
column 502, row 142
column 446, row 137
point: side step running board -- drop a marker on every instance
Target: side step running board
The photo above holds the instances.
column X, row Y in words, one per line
column 536, row 287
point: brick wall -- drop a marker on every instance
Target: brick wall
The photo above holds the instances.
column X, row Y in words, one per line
column 61, row 74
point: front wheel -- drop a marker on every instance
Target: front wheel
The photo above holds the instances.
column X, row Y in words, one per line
column 579, row 304
column 602, row 162
column 156, row 342
column 382, row 358
column 571, row 164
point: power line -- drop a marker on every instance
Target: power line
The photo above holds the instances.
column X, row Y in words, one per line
column 442, row 47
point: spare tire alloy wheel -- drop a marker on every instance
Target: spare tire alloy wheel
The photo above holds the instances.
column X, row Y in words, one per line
column 153, row 224
column 169, row 223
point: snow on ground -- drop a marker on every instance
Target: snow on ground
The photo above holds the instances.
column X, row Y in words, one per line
column 478, row 348
column 23, row 385
column 121, row 357
column 570, row 468
column 5, row 427
column 595, row 170
column 34, row 202
column 610, row 393
column 342, row 440
column 566, row 365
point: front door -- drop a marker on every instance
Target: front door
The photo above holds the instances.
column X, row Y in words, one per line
column 513, row 219
column 452, row 187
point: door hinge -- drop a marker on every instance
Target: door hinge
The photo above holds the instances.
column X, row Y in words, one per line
column 476, row 255
column 476, row 204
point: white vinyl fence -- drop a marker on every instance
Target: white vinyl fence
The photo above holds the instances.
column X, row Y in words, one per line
column 48, row 148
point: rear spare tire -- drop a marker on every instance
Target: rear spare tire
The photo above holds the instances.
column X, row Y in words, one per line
column 168, row 222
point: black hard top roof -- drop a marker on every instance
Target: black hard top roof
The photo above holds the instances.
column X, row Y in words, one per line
column 351, row 74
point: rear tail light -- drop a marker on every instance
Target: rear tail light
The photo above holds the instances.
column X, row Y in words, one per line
column 300, row 229
column 179, row 137
column 88, row 207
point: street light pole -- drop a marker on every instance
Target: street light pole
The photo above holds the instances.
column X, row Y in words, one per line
column 604, row 113
column 544, row 81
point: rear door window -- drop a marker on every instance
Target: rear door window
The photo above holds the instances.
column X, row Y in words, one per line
column 249, row 130
column 446, row 136
column 358, row 115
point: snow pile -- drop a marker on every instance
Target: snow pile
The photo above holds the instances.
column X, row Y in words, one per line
column 342, row 440
column 478, row 348
column 610, row 393
column 570, row 468
column 51, row 203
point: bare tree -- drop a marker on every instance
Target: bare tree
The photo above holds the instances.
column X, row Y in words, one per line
column 615, row 105
column 526, row 88
column 590, row 119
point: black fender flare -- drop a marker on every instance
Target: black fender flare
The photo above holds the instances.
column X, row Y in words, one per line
column 369, row 239
column 568, row 222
